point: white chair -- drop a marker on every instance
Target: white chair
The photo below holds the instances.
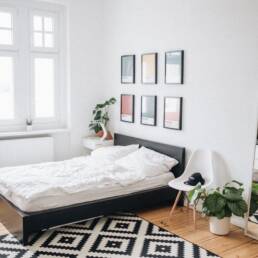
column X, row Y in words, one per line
column 200, row 161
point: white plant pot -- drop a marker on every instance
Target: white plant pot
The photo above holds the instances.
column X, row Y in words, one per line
column 29, row 128
column 219, row 226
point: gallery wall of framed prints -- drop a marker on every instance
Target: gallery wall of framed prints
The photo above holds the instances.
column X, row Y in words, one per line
column 173, row 75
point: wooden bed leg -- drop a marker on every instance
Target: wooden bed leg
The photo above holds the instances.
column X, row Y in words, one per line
column 175, row 203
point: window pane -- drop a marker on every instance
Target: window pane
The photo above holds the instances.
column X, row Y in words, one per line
column 37, row 23
column 38, row 39
column 5, row 20
column 49, row 40
column 48, row 24
column 6, row 88
column 44, row 87
column 6, row 37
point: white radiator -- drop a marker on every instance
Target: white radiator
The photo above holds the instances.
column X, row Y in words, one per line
column 14, row 152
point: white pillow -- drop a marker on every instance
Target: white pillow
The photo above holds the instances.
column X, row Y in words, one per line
column 150, row 162
column 113, row 153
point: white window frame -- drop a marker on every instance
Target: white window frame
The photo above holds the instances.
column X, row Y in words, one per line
column 14, row 13
column 56, row 89
column 55, row 33
column 24, row 52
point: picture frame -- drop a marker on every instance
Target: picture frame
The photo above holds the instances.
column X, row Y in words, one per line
column 127, row 108
column 173, row 110
column 128, row 69
column 149, row 71
column 149, row 110
column 174, row 67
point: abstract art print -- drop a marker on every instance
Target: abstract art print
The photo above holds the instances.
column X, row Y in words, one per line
column 148, row 110
column 174, row 67
column 127, row 108
column 149, row 68
column 128, row 69
column 173, row 113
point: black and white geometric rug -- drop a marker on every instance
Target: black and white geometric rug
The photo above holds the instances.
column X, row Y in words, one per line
column 118, row 236
column 254, row 217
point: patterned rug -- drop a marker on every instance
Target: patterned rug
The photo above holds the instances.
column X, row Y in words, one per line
column 254, row 217
column 118, row 236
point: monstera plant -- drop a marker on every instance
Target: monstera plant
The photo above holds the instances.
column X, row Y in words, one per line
column 254, row 199
column 221, row 204
column 100, row 116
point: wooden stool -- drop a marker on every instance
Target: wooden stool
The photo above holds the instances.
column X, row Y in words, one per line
column 188, row 204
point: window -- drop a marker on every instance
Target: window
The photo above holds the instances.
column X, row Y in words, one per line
column 44, row 81
column 32, row 61
column 6, row 28
column 6, row 88
column 43, row 31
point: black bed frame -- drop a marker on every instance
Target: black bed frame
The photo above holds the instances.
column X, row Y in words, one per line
column 23, row 224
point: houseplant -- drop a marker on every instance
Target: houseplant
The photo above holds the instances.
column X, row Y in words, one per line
column 100, row 118
column 220, row 204
column 254, row 199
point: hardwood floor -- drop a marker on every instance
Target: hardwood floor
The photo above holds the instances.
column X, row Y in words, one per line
column 235, row 245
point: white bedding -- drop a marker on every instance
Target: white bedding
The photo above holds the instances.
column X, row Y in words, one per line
column 56, row 184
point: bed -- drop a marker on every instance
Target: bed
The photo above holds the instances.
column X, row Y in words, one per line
column 23, row 218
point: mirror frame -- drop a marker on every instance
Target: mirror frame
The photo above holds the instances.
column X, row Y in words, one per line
column 250, row 192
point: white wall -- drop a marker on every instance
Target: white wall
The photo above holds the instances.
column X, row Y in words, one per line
column 220, row 39
column 86, row 48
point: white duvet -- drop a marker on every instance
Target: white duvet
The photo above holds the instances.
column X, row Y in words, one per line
column 65, row 177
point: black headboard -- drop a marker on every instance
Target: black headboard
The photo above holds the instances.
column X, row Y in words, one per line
column 172, row 151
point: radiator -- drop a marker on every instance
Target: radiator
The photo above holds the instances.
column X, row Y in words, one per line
column 22, row 151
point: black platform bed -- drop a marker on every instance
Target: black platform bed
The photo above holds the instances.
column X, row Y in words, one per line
column 23, row 225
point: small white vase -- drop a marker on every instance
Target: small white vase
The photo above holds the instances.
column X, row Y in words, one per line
column 29, row 128
column 219, row 226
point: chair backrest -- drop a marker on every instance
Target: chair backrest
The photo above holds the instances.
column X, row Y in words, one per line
column 200, row 161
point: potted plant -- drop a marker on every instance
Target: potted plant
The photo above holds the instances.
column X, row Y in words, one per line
column 100, row 119
column 220, row 205
column 29, row 125
column 254, row 199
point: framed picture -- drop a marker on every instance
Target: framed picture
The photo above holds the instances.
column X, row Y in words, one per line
column 128, row 69
column 149, row 68
column 148, row 110
column 174, row 67
column 127, row 108
column 173, row 113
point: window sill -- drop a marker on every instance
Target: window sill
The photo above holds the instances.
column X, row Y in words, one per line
column 32, row 133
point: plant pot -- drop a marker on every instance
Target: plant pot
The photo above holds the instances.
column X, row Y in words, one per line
column 100, row 133
column 219, row 226
column 29, row 128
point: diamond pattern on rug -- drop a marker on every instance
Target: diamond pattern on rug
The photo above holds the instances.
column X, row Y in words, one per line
column 117, row 236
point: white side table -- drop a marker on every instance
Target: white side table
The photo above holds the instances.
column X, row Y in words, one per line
column 94, row 143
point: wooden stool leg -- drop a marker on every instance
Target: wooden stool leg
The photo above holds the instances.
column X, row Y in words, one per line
column 194, row 215
column 187, row 202
column 175, row 203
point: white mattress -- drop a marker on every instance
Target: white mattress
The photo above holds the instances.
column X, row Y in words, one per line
column 57, row 184
column 49, row 202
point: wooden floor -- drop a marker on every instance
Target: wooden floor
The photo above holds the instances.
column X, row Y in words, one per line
column 236, row 244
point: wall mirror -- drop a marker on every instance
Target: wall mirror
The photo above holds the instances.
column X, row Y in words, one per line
column 252, row 217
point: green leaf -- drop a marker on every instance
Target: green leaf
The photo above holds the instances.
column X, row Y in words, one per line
column 215, row 202
column 238, row 208
column 233, row 194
